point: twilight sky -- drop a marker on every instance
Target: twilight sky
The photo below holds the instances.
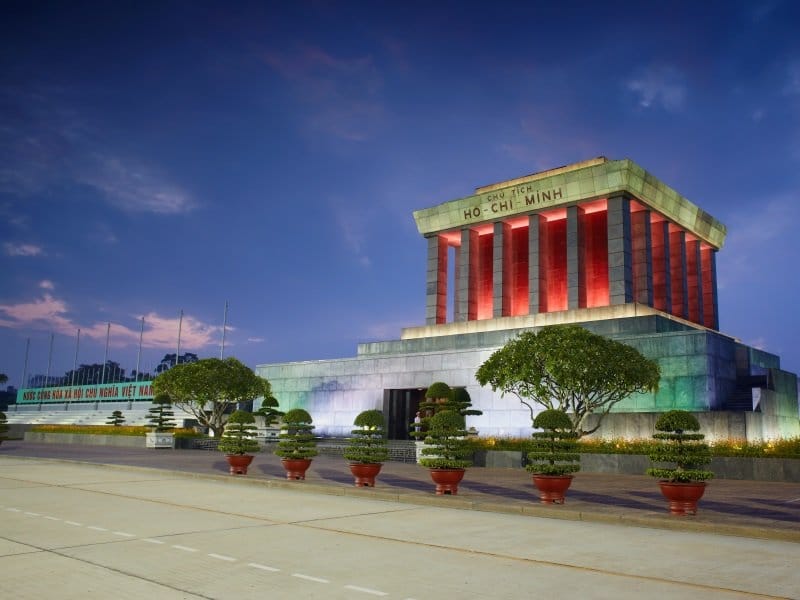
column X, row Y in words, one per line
column 166, row 156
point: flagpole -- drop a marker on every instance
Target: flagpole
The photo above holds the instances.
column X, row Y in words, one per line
column 49, row 362
column 105, row 354
column 178, row 353
column 224, row 327
column 139, row 354
column 75, row 363
column 25, row 367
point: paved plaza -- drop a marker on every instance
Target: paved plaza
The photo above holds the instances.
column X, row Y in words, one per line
column 98, row 522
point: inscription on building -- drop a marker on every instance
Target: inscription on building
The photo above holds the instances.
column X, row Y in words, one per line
column 510, row 200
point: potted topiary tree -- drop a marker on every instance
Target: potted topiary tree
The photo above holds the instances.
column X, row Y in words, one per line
column 161, row 423
column 296, row 443
column 367, row 450
column 446, row 451
column 238, row 441
column 271, row 415
column 684, row 483
column 116, row 419
column 553, row 455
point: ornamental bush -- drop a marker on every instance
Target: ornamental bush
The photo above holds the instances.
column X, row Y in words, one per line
column 239, row 434
column 368, row 444
column 446, row 446
column 161, row 413
column 116, row 419
column 686, row 451
column 554, row 450
column 296, row 439
column 3, row 427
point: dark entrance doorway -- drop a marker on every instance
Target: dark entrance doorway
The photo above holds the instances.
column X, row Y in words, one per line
column 399, row 408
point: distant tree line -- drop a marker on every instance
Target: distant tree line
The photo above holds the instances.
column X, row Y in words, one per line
column 111, row 372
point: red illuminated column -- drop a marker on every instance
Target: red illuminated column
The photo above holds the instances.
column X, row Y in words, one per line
column 677, row 263
column 620, row 259
column 642, row 251
column 436, row 286
column 708, row 259
column 502, row 263
column 576, row 259
column 467, row 277
column 694, row 280
column 662, row 275
column 537, row 271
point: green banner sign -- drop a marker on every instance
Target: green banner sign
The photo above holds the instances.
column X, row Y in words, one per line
column 108, row 392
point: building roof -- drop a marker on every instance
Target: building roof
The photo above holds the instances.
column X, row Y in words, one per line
column 568, row 185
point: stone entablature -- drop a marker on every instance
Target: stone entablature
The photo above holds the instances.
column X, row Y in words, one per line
column 572, row 184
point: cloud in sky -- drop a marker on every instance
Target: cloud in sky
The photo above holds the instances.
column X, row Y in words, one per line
column 353, row 226
column 343, row 94
column 659, row 87
column 12, row 249
column 49, row 313
column 49, row 144
column 256, row 340
column 46, row 284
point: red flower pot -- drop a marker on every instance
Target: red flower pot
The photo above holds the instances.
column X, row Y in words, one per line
column 296, row 467
column 682, row 496
column 239, row 463
column 552, row 487
column 447, row 480
column 365, row 473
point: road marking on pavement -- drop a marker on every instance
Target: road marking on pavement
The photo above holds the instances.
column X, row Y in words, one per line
column 75, row 523
column 263, row 567
column 49, row 518
column 222, row 557
column 793, row 500
column 96, row 528
column 310, row 578
column 123, row 534
column 152, row 541
column 32, row 514
column 184, row 548
column 356, row 588
column 10, row 509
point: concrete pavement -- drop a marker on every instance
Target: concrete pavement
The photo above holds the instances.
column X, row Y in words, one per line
column 79, row 530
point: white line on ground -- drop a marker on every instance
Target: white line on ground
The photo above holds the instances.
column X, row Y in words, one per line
column 263, row 567
column 49, row 518
column 75, row 523
column 96, row 528
column 32, row 514
column 184, row 548
column 222, row 557
column 152, row 541
column 123, row 534
column 356, row 588
column 793, row 500
column 9, row 509
column 310, row 578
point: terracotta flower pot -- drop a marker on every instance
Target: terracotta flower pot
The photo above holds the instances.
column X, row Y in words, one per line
column 682, row 497
column 447, row 480
column 239, row 463
column 552, row 487
column 365, row 473
column 296, row 467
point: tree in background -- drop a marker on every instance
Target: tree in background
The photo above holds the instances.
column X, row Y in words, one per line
column 170, row 361
column 161, row 414
column 269, row 410
column 211, row 387
column 93, row 374
column 567, row 367
column 116, row 419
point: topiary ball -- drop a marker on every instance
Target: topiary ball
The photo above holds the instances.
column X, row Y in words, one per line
column 370, row 419
column 297, row 415
column 438, row 390
column 677, row 420
column 552, row 419
column 447, row 420
column 241, row 416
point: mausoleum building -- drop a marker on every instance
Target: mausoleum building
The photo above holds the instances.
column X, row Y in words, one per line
column 601, row 243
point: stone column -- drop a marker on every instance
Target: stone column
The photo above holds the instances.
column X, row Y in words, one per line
column 694, row 281
column 620, row 255
column 708, row 256
column 501, row 266
column 642, row 251
column 576, row 259
column 662, row 278
column 537, row 275
column 467, row 277
column 436, row 281
column 677, row 259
